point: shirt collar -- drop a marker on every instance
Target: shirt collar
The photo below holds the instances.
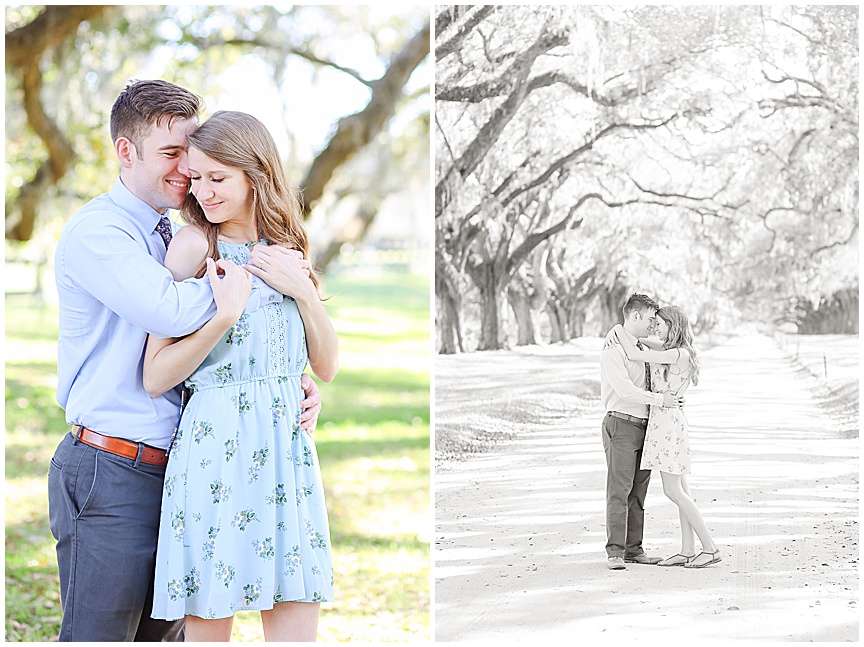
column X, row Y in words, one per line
column 630, row 336
column 134, row 206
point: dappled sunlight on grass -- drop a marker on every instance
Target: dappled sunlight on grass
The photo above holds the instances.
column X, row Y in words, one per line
column 373, row 397
column 37, row 352
column 32, row 611
column 401, row 355
column 23, row 457
column 356, row 323
column 376, row 477
column 32, row 374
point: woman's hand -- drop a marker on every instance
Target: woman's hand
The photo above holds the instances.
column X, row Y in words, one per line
column 627, row 344
column 283, row 269
column 168, row 362
column 287, row 271
column 612, row 337
column 231, row 291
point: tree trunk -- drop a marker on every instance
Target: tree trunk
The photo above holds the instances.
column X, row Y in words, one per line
column 577, row 321
column 556, row 322
column 520, row 302
column 353, row 231
column 484, row 278
column 447, row 319
column 539, row 293
column 611, row 301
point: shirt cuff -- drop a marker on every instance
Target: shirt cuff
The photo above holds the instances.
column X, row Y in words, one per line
column 261, row 295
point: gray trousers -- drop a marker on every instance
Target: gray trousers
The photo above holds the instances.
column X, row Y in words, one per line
column 104, row 513
column 626, row 486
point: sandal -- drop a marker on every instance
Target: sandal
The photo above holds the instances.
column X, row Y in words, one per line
column 676, row 560
column 713, row 559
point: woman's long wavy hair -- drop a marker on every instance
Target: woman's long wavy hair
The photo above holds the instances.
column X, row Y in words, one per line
column 679, row 336
column 239, row 140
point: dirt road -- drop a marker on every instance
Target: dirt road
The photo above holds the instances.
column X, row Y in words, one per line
column 520, row 533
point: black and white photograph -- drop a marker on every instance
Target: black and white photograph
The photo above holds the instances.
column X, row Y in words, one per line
column 646, row 392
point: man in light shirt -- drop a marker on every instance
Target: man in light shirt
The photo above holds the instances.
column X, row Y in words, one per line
column 625, row 394
column 105, row 480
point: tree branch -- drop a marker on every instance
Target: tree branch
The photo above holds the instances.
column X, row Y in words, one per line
column 532, row 241
column 683, row 196
column 49, row 29
column 443, row 49
column 839, row 243
column 356, row 131
column 490, row 131
column 496, row 87
column 567, row 159
column 207, row 43
column 25, row 47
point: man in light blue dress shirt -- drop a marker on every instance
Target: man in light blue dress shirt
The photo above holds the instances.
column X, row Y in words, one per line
column 105, row 480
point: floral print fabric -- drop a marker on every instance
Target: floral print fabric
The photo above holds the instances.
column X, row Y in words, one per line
column 244, row 523
column 667, row 446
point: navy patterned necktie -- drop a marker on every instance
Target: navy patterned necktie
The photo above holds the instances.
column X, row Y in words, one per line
column 647, row 368
column 164, row 229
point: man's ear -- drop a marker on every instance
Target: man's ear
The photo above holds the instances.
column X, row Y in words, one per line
column 125, row 150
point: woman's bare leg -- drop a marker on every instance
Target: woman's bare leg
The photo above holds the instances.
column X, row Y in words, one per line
column 201, row 630
column 687, row 509
column 688, row 538
column 291, row 622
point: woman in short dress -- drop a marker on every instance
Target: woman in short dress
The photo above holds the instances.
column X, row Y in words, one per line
column 674, row 366
column 243, row 525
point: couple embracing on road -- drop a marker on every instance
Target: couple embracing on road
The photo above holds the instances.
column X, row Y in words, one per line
column 648, row 363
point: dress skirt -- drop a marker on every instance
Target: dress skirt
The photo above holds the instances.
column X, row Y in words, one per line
column 244, row 522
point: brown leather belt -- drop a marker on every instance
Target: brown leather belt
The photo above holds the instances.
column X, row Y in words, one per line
column 120, row 446
column 633, row 419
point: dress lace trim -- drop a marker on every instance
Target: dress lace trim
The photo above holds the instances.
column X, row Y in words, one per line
column 277, row 329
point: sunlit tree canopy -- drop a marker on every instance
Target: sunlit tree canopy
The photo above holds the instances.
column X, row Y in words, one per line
column 343, row 89
column 705, row 155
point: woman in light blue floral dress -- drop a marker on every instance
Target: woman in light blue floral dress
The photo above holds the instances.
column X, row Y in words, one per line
column 244, row 524
column 673, row 365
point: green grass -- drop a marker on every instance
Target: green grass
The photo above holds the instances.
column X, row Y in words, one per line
column 373, row 445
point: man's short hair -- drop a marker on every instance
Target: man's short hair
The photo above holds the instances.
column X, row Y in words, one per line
column 640, row 303
column 145, row 103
